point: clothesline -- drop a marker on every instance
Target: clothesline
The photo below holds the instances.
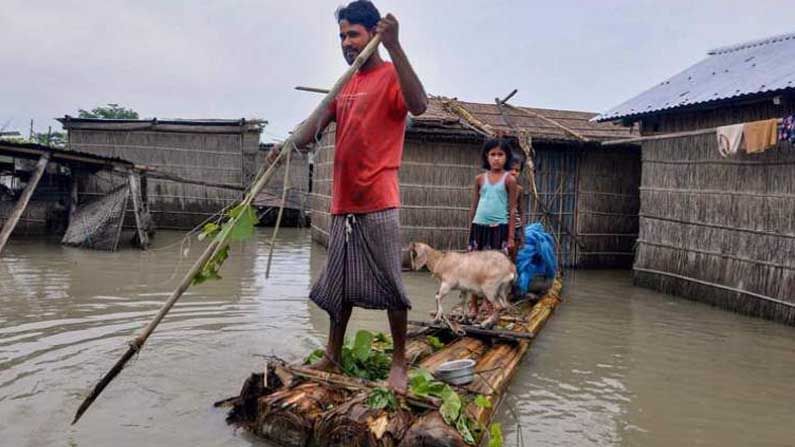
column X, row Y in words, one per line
column 689, row 133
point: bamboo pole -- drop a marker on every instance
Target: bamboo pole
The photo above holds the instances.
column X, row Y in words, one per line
column 216, row 245
column 135, row 191
column 22, row 203
column 550, row 121
column 477, row 331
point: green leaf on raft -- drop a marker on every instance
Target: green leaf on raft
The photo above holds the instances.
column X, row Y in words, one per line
column 451, row 405
column 382, row 398
column 495, row 435
column 482, row 401
column 315, row 356
column 434, row 342
column 362, row 345
column 463, row 427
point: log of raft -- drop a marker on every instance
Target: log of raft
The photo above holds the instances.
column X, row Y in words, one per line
column 296, row 406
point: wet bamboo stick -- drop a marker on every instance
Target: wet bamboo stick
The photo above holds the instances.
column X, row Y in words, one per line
column 217, row 245
column 474, row 330
column 22, row 203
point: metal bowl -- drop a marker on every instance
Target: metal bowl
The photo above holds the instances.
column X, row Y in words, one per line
column 456, row 372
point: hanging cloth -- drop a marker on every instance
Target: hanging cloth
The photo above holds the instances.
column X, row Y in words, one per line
column 760, row 136
column 787, row 130
column 729, row 138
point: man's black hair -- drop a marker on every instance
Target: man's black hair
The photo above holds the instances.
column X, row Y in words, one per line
column 362, row 12
column 490, row 144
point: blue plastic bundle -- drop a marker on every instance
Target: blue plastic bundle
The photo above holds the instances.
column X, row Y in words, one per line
column 536, row 257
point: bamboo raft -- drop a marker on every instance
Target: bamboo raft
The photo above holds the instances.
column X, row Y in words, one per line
column 296, row 406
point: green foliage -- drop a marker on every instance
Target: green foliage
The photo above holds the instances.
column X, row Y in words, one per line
column 210, row 268
column 482, row 401
column 239, row 226
column 362, row 346
column 451, row 405
column 245, row 220
column 314, row 357
column 495, row 435
column 54, row 139
column 464, row 426
column 434, row 342
column 366, row 357
column 382, row 398
column 110, row 111
column 423, row 384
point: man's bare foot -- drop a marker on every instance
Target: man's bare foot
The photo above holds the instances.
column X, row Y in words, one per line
column 326, row 365
column 398, row 380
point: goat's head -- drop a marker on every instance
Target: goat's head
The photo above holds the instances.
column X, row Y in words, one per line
column 418, row 252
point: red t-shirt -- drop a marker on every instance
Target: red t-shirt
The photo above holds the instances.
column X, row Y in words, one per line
column 371, row 121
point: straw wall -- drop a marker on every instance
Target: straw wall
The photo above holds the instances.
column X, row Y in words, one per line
column 209, row 157
column 436, row 183
column 297, row 199
column 607, row 207
column 719, row 230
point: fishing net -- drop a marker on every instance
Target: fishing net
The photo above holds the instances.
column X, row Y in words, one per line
column 97, row 224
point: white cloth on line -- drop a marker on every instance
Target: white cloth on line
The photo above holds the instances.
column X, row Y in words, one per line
column 729, row 139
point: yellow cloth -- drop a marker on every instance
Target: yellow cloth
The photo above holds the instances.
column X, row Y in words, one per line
column 760, row 135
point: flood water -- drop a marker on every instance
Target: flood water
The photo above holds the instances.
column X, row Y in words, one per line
column 616, row 365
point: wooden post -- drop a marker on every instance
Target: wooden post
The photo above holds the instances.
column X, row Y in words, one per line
column 19, row 208
column 135, row 191
column 73, row 195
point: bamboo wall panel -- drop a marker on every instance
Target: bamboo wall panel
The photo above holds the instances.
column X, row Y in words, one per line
column 437, row 182
column 719, row 230
column 210, row 157
column 608, row 205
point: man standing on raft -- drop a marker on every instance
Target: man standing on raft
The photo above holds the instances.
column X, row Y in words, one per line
column 363, row 267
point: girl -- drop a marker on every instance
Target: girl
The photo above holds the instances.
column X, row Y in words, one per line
column 492, row 203
column 492, row 212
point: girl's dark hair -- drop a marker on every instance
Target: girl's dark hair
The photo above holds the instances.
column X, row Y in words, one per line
column 518, row 161
column 490, row 144
column 360, row 12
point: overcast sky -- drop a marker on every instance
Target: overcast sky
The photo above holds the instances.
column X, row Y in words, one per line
column 233, row 59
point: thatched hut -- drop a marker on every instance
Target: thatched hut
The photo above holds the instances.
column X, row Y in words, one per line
column 197, row 167
column 590, row 209
column 712, row 228
column 42, row 193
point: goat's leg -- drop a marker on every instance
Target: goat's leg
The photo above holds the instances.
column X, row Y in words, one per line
column 472, row 307
column 492, row 297
column 444, row 289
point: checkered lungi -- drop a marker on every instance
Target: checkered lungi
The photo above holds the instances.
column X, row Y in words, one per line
column 363, row 266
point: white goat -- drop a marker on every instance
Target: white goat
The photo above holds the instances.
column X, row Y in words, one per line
column 485, row 273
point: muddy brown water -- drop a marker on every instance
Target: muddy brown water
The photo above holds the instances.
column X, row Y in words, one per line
column 616, row 365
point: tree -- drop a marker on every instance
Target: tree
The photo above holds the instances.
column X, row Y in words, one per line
column 111, row 111
column 55, row 139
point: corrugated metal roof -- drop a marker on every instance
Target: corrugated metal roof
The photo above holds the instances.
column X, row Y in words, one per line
column 750, row 68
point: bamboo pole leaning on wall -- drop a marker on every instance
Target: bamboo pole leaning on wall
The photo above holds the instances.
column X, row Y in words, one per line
column 22, row 203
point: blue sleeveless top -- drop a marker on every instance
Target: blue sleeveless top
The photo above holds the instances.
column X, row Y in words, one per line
column 493, row 204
